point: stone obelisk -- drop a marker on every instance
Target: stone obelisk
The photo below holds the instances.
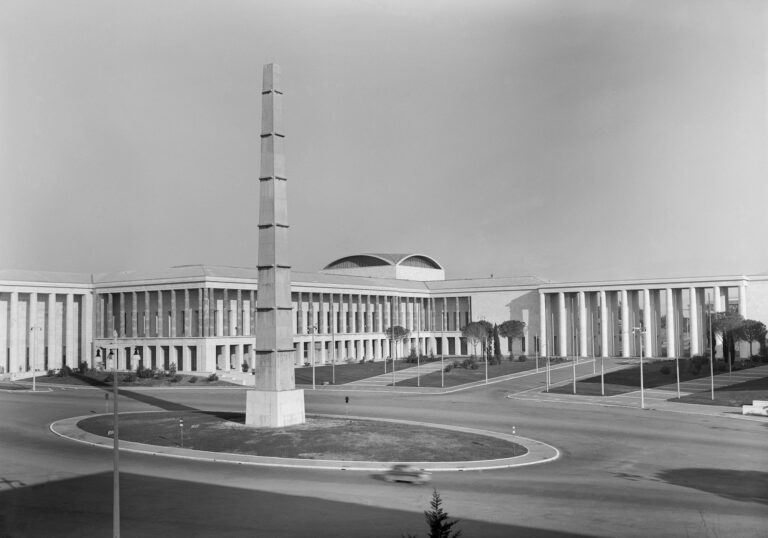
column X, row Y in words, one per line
column 274, row 401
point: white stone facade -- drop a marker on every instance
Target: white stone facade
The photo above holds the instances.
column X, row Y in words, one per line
column 203, row 318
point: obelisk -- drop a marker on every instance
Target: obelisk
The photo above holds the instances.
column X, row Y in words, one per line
column 274, row 401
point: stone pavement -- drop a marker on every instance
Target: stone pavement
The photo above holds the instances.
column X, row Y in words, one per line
column 410, row 371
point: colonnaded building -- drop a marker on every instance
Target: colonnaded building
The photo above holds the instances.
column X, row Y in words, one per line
column 202, row 318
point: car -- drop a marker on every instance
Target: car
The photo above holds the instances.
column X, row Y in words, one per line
column 407, row 473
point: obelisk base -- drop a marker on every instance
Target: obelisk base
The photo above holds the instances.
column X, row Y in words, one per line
column 274, row 409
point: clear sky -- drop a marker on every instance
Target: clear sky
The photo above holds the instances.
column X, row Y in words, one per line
column 566, row 139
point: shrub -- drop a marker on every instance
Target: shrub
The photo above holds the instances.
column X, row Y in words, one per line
column 193, row 379
column 144, row 373
column 664, row 370
column 213, row 377
column 511, row 357
column 448, row 368
column 245, row 367
column 51, row 373
column 523, row 358
column 128, row 378
column 83, row 367
column 175, row 378
column 65, row 371
column 172, row 369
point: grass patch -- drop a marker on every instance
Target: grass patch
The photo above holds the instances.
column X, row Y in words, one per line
column 628, row 379
column 345, row 372
column 733, row 395
column 318, row 438
column 460, row 376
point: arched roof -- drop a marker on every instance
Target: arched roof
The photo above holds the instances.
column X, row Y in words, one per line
column 378, row 259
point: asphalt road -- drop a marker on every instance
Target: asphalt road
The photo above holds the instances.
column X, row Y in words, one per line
column 623, row 472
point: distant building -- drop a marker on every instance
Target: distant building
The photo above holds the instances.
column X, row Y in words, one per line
column 202, row 317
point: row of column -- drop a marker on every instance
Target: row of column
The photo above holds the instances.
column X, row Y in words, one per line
column 44, row 330
column 627, row 322
column 177, row 313
column 369, row 349
column 328, row 313
column 189, row 312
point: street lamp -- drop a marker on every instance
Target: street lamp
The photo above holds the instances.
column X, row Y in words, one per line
column 641, row 332
column 33, row 346
column 442, row 350
column 312, row 330
column 116, row 443
column 711, row 355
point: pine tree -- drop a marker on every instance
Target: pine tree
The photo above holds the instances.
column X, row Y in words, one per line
column 437, row 520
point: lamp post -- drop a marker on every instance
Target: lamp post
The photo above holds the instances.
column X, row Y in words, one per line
column 33, row 346
column 641, row 332
column 418, row 345
column 312, row 330
column 485, row 356
column 116, row 443
column 711, row 356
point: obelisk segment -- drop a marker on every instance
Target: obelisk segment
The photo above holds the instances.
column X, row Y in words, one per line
column 274, row 402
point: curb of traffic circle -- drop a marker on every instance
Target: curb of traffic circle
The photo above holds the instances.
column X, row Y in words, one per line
column 537, row 451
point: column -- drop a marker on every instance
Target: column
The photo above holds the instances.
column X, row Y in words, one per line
column 457, row 326
column 110, row 316
column 603, row 325
column 368, row 314
column 717, row 303
column 172, row 332
column 206, row 316
column 13, row 337
column 543, row 324
column 121, row 321
column 562, row 325
column 239, row 322
column 648, row 336
column 159, row 320
column 671, row 340
column 322, row 322
column 342, row 314
column 147, row 313
column 86, row 331
column 134, row 315
column 743, row 299
column 54, row 361
column 187, row 314
column 311, row 314
column 694, row 322
column 32, row 333
column 625, row 329
column 70, row 329
column 582, row 305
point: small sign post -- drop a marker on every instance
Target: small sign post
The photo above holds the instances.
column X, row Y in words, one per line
column 181, row 429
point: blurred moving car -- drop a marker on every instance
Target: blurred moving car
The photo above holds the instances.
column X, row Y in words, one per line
column 407, row 473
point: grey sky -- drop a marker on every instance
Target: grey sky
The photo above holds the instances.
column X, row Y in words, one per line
column 563, row 139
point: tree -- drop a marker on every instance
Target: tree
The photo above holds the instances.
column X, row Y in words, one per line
column 437, row 520
column 727, row 325
column 395, row 335
column 496, row 345
column 512, row 329
column 476, row 332
column 752, row 330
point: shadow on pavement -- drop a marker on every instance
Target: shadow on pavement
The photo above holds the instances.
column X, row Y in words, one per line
column 152, row 506
column 747, row 486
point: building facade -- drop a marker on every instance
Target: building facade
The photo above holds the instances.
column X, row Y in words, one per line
column 202, row 318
